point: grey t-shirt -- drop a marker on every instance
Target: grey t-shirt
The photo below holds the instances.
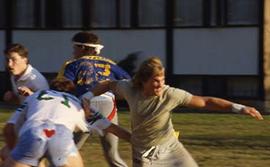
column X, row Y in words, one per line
column 151, row 123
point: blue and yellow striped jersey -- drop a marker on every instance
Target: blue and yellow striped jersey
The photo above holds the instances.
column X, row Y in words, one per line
column 87, row 71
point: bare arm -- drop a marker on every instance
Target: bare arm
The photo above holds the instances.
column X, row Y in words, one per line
column 10, row 135
column 95, row 119
column 101, row 88
column 213, row 103
column 119, row 131
column 11, row 98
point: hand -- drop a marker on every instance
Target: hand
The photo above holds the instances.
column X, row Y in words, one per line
column 4, row 153
column 96, row 121
column 252, row 112
column 25, row 91
column 9, row 96
column 86, row 108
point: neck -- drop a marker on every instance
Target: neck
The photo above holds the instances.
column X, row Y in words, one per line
column 21, row 74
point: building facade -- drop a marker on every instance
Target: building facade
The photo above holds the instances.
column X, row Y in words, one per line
column 209, row 47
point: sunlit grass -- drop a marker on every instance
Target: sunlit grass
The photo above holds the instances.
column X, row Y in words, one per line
column 214, row 140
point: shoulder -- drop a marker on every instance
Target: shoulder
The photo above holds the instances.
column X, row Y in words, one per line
column 124, row 83
column 66, row 63
column 99, row 58
column 124, row 86
column 34, row 76
column 173, row 92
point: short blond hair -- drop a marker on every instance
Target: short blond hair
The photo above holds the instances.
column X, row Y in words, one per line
column 150, row 67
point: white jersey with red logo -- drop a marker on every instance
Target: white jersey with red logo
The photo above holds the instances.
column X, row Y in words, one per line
column 49, row 106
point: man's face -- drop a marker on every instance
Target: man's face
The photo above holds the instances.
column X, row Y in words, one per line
column 154, row 85
column 16, row 64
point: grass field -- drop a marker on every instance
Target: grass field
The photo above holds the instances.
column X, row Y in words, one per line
column 214, row 140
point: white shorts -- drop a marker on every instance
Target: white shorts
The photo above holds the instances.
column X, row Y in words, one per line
column 47, row 140
column 106, row 105
column 170, row 154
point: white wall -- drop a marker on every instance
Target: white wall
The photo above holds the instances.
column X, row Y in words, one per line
column 2, row 47
column 120, row 43
column 230, row 51
column 49, row 49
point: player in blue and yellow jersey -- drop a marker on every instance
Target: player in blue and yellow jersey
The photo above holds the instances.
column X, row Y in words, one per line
column 86, row 69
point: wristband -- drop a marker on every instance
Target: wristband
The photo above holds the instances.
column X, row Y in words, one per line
column 237, row 107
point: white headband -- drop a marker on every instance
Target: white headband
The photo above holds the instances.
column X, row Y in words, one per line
column 97, row 47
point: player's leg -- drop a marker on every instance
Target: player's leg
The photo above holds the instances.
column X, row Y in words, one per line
column 80, row 138
column 62, row 150
column 110, row 147
column 4, row 153
column 30, row 148
column 106, row 106
column 13, row 163
column 74, row 161
column 42, row 163
column 171, row 153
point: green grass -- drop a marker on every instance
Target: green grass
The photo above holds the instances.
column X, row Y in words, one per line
column 214, row 140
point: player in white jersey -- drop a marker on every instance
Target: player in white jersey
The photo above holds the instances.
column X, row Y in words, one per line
column 46, row 122
column 24, row 78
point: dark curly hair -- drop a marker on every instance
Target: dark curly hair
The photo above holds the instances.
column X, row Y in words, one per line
column 86, row 37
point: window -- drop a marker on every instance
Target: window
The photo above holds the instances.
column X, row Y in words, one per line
column 102, row 13
column 96, row 13
column 124, row 13
column 151, row 13
column 72, row 13
column 243, row 12
column 23, row 13
column 216, row 12
column 128, row 13
column 188, row 13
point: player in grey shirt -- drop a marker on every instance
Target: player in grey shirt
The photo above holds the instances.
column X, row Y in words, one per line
column 151, row 103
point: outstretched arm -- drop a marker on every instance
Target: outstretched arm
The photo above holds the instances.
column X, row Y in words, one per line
column 98, row 122
column 103, row 87
column 100, row 88
column 213, row 103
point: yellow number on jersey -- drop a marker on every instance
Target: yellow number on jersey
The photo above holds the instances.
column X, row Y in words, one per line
column 106, row 69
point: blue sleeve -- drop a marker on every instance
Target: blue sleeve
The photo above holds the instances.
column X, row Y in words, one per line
column 83, row 74
column 69, row 72
column 119, row 73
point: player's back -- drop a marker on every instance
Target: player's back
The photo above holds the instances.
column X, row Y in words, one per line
column 87, row 71
column 56, row 107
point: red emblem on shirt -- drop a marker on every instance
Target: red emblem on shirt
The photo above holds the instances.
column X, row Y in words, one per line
column 49, row 132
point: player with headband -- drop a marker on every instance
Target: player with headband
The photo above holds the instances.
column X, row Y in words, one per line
column 87, row 69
